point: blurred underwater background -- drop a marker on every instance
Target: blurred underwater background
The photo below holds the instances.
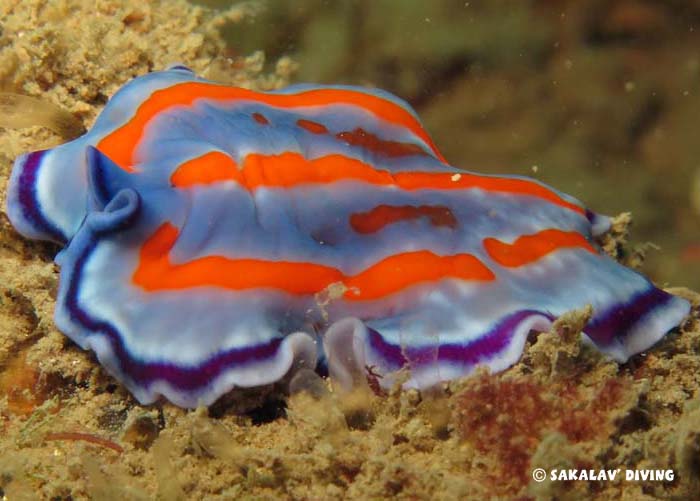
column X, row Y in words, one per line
column 599, row 99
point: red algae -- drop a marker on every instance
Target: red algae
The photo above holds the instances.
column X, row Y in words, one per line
column 507, row 418
column 504, row 419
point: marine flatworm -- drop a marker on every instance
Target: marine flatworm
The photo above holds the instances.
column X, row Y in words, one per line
column 217, row 237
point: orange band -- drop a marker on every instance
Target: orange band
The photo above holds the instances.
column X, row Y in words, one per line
column 120, row 145
column 530, row 248
column 384, row 215
column 289, row 169
column 156, row 272
column 211, row 167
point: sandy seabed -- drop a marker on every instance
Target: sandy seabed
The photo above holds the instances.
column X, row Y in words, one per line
column 69, row 431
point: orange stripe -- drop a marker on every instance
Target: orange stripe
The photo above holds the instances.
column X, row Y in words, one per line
column 529, row 248
column 121, row 145
column 210, row 168
column 313, row 127
column 287, row 170
column 156, row 272
column 393, row 274
column 370, row 142
column 367, row 140
column 383, row 215
column 398, row 272
column 290, row 169
column 447, row 181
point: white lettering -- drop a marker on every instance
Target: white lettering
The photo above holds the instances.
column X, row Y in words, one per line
column 610, row 475
column 585, row 475
column 649, row 475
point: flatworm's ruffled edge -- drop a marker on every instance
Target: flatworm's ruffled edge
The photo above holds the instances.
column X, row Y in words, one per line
column 192, row 386
column 23, row 207
column 498, row 349
column 633, row 327
column 600, row 224
column 624, row 330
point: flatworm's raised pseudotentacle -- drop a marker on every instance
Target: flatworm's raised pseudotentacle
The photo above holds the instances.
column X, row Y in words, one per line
column 217, row 237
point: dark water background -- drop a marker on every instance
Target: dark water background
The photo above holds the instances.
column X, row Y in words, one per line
column 600, row 99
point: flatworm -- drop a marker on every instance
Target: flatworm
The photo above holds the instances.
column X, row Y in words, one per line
column 217, row 237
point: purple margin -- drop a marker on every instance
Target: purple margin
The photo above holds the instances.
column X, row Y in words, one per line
column 27, row 197
column 145, row 373
column 621, row 318
column 616, row 322
column 483, row 348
